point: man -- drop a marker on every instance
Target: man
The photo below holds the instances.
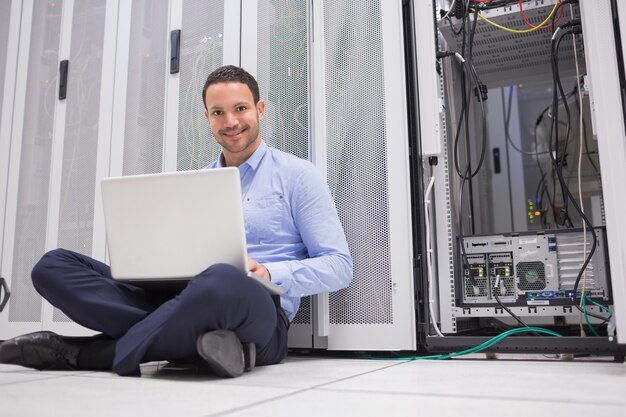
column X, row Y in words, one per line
column 221, row 317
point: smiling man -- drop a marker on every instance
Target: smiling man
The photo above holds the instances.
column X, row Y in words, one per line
column 234, row 112
column 222, row 320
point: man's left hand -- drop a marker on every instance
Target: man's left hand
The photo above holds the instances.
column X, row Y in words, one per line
column 258, row 269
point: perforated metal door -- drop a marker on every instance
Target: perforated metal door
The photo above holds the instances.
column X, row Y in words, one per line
column 357, row 163
column 368, row 172
column 145, row 103
column 283, row 76
column 282, row 54
column 80, row 142
column 27, row 214
column 202, row 46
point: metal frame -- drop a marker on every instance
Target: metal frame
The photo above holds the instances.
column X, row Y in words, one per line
column 320, row 309
column 607, row 106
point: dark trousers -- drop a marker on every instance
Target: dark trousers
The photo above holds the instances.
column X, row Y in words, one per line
column 152, row 324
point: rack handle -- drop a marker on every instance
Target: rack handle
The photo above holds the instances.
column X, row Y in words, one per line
column 63, row 67
column 174, row 51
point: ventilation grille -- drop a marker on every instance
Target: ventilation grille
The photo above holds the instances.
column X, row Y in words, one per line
column 480, row 288
column 506, row 287
column 283, row 75
column 145, row 106
column 283, row 84
column 531, row 276
column 304, row 312
column 571, row 259
column 81, row 127
column 357, row 164
column 32, row 200
column 202, row 45
column 81, row 131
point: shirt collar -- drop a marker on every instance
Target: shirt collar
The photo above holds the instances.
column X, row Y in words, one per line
column 254, row 160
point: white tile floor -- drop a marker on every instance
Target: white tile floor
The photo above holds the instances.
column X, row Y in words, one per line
column 322, row 386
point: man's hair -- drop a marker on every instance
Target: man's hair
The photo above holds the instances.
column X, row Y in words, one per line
column 232, row 74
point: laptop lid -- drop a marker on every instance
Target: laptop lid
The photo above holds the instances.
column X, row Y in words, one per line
column 174, row 225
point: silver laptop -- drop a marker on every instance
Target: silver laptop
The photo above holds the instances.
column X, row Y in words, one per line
column 169, row 227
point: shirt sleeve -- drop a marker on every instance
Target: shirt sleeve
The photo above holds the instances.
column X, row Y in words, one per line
column 329, row 264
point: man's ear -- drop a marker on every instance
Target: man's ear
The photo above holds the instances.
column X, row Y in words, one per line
column 260, row 108
column 206, row 114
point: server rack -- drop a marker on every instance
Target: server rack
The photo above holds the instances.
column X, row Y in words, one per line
column 455, row 309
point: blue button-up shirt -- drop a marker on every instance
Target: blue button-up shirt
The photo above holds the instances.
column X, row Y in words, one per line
column 292, row 226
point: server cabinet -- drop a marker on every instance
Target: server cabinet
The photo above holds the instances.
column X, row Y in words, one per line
column 492, row 226
column 57, row 105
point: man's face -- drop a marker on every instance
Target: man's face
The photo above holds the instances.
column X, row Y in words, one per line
column 234, row 120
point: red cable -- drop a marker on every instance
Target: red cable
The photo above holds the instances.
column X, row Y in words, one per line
column 521, row 12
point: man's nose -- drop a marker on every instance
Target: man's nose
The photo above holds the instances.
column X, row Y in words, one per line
column 230, row 119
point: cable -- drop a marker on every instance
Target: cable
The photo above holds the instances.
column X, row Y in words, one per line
column 429, row 253
column 558, row 159
column 485, row 345
column 586, row 298
column 468, row 174
column 468, row 70
column 449, row 10
column 567, row 195
column 584, row 308
column 556, row 5
column 580, row 191
column 605, row 308
column 506, row 128
column 521, row 12
column 544, row 176
column 463, row 122
column 495, row 294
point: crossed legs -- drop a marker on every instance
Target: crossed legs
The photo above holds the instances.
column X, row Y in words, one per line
column 151, row 326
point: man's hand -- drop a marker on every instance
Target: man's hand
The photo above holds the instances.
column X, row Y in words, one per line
column 258, row 269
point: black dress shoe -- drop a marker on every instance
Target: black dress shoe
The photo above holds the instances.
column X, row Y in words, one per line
column 40, row 350
column 225, row 354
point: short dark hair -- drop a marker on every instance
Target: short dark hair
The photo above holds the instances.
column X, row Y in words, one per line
column 232, row 74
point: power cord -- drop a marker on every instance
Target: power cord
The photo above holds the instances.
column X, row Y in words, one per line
column 485, row 345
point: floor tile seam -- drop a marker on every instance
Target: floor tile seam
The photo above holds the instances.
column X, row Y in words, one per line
column 476, row 397
column 295, row 392
column 38, row 379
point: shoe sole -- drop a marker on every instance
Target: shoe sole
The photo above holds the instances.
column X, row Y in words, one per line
column 223, row 352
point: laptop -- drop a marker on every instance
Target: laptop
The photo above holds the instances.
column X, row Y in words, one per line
column 168, row 227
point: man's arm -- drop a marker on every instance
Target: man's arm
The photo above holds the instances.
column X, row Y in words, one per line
column 329, row 265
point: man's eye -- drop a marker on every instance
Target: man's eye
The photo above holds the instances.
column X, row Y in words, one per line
column 241, row 108
column 217, row 113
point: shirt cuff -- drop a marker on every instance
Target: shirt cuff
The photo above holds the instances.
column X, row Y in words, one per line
column 280, row 273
